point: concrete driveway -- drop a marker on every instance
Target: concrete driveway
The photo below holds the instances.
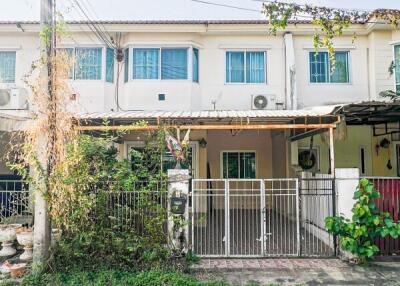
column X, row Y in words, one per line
column 297, row 272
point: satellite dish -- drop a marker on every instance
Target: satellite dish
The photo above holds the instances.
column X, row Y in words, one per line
column 5, row 97
column 260, row 102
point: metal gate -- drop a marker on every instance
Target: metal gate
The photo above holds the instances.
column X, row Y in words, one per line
column 252, row 218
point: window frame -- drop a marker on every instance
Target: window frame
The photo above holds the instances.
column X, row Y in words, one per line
column 396, row 45
column 245, row 51
column 238, row 151
column 103, row 62
column 192, row 144
column 113, row 65
column 349, row 70
column 198, row 65
column 102, row 65
column 189, row 67
column 2, row 50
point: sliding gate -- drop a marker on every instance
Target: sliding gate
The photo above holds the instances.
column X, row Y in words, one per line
column 250, row 218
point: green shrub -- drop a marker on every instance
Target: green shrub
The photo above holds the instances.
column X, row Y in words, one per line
column 101, row 226
column 368, row 223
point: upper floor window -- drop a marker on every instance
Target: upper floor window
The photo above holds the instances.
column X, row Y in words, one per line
column 7, row 67
column 109, row 65
column 126, row 65
column 88, row 63
column 160, row 63
column 245, row 67
column 174, row 64
column 145, row 63
column 320, row 68
column 195, row 75
column 397, row 66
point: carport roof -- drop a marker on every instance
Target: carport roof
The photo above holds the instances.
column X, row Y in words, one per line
column 317, row 117
column 211, row 114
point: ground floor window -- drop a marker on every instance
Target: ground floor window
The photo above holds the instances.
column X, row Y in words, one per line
column 166, row 159
column 238, row 165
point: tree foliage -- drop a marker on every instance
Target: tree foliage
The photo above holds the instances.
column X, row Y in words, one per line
column 330, row 22
column 367, row 223
column 111, row 211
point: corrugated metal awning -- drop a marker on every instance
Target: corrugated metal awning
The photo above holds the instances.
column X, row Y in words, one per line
column 211, row 114
column 317, row 117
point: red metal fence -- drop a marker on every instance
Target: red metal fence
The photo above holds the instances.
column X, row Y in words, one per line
column 389, row 188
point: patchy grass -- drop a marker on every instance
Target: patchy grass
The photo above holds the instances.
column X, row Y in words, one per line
column 154, row 277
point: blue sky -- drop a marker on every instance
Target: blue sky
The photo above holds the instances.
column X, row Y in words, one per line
column 165, row 9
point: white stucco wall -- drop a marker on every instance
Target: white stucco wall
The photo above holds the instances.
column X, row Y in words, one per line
column 370, row 56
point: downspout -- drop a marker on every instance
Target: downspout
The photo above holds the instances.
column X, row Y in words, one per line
column 290, row 72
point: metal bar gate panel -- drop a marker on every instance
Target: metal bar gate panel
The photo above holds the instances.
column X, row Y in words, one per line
column 258, row 218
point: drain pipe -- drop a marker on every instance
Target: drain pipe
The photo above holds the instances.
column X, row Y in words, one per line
column 290, row 72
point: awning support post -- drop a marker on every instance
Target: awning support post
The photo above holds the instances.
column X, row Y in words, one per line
column 331, row 151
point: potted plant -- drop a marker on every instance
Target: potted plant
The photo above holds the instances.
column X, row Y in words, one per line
column 7, row 237
column 25, row 238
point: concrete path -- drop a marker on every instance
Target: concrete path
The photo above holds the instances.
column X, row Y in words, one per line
column 297, row 272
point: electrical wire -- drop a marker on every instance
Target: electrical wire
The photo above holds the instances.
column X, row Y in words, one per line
column 226, row 6
column 302, row 16
column 94, row 27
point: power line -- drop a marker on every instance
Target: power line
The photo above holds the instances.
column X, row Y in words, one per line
column 96, row 30
column 90, row 7
column 226, row 6
column 300, row 16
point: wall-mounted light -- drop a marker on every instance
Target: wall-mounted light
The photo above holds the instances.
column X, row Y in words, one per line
column 203, row 143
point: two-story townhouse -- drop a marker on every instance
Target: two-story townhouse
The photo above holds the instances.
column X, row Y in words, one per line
column 168, row 67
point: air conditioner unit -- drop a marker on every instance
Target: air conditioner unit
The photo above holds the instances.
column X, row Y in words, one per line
column 13, row 98
column 263, row 101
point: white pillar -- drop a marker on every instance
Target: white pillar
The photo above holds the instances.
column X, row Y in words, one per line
column 290, row 72
column 347, row 180
column 178, row 195
column 331, row 151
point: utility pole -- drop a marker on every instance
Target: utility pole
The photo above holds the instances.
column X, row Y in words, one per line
column 42, row 226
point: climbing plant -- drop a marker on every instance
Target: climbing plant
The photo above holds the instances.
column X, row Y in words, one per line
column 357, row 235
column 329, row 22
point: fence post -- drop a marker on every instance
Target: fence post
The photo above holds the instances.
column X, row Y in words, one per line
column 178, row 209
column 227, row 219
column 346, row 183
column 263, row 219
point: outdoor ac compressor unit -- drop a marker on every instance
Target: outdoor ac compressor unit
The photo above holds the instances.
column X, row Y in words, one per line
column 263, row 101
column 13, row 98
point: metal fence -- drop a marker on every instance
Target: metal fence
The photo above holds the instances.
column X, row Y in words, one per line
column 243, row 217
column 15, row 202
column 121, row 206
column 317, row 201
column 389, row 201
column 133, row 206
